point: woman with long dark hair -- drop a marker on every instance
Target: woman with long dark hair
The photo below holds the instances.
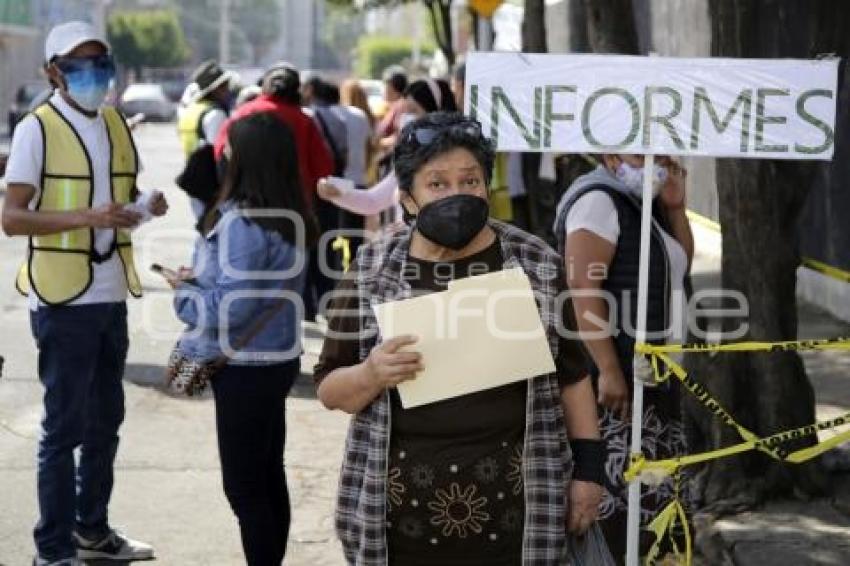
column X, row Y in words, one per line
column 250, row 266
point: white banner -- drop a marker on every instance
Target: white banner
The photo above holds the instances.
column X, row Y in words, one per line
column 758, row 108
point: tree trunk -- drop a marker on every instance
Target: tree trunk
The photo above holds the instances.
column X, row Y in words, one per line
column 441, row 21
column 540, row 193
column 611, row 26
column 473, row 22
column 601, row 26
column 579, row 42
column 534, row 27
column 760, row 205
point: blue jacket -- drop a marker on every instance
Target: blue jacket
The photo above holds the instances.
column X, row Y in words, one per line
column 234, row 263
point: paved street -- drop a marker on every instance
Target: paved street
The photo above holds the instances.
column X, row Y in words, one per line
column 168, row 488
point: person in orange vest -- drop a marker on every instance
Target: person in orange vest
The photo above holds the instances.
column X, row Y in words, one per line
column 72, row 191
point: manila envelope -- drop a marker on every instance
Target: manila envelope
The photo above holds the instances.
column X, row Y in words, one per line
column 483, row 332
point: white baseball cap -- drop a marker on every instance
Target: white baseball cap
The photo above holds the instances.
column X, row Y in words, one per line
column 66, row 37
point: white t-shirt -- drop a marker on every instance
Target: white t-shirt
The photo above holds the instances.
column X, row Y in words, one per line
column 359, row 133
column 211, row 125
column 109, row 284
column 595, row 212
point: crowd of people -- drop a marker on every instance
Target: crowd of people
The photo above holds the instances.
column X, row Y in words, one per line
column 300, row 190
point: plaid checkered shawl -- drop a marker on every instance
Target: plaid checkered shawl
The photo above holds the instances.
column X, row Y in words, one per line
column 547, row 461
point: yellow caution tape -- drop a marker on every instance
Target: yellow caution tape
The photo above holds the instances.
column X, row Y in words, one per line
column 772, row 445
column 640, row 465
column 702, row 395
column 697, row 218
column 807, row 262
column 827, row 270
column 665, row 522
column 841, row 343
column 343, row 244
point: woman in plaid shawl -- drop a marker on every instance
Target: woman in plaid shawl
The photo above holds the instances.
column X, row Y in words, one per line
column 499, row 477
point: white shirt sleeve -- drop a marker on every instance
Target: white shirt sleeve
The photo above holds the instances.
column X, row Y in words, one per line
column 373, row 200
column 595, row 212
column 212, row 123
column 26, row 154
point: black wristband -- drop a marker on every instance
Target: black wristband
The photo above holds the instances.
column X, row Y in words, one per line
column 588, row 459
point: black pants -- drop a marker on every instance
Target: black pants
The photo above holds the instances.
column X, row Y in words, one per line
column 319, row 283
column 251, row 426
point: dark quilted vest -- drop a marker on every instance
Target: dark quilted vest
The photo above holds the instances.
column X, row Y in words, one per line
column 623, row 273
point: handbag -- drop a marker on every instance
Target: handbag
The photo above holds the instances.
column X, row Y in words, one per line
column 590, row 549
column 191, row 377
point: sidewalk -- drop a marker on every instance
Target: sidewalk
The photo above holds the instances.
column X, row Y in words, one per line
column 168, row 481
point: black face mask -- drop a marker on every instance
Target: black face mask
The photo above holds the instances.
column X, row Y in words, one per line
column 453, row 221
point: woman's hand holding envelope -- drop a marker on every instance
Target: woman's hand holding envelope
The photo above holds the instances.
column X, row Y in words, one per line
column 388, row 364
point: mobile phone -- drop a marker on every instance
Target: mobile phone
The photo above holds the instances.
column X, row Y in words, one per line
column 164, row 271
column 171, row 274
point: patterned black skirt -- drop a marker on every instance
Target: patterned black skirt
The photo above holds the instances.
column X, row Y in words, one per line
column 663, row 437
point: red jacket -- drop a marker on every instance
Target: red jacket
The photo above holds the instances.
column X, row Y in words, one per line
column 314, row 157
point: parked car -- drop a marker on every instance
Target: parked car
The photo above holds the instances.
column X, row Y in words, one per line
column 22, row 102
column 148, row 99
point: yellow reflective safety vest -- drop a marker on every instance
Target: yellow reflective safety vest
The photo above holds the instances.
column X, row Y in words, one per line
column 189, row 125
column 59, row 268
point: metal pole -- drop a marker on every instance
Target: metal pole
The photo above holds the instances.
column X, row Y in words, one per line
column 485, row 34
column 224, row 33
column 99, row 16
column 633, row 524
column 417, row 37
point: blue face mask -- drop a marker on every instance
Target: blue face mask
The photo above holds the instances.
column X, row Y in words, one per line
column 88, row 79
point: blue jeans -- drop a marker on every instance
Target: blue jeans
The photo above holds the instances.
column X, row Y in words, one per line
column 81, row 356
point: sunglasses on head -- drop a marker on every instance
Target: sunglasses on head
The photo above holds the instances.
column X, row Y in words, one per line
column 424, row 135
column 76, row 64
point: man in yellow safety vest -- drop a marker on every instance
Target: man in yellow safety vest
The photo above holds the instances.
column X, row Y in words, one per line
column 72, row 190
column 201, row 120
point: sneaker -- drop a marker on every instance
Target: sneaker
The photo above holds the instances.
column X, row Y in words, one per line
column 73, row 561
column 113, row 546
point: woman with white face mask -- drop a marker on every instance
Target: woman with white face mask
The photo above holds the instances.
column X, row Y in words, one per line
column 421, row 97
column 598, row 231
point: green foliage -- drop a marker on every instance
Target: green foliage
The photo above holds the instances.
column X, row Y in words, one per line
column 147, row 38
column 439, row 12
column 343, row 28
column 15, row 12
column 255, row 25
column 376, row 53
column 259, row 20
